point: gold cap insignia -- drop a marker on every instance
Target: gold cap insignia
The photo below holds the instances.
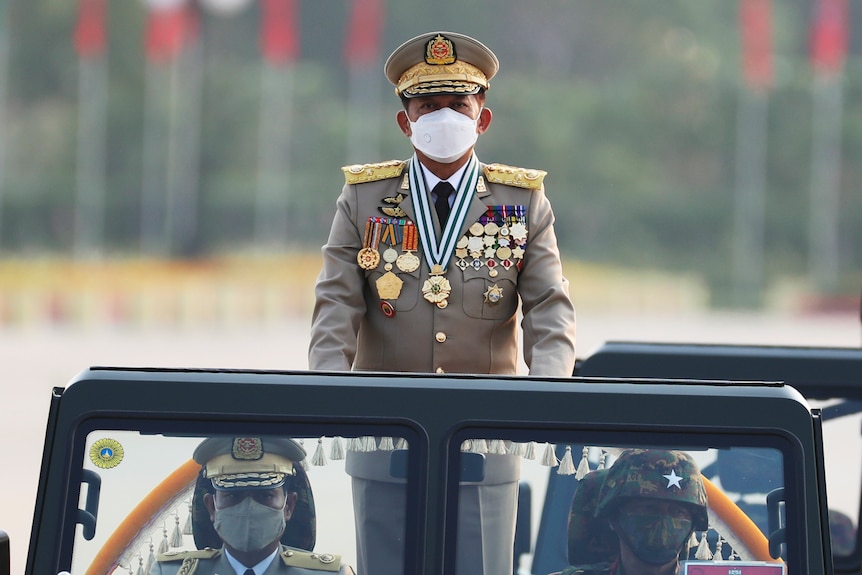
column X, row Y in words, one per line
column 247, row 448
column 440, row 51
column 106, row 453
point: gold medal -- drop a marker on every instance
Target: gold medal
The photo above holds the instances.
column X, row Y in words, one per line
column 491, row 229
column 407, row 262
column 437, row 270
column 389, row 286
column 493, row 294
column 368, row 258
column 436, row 289
column 477, row 229
column 504, row 253
column 390, row 255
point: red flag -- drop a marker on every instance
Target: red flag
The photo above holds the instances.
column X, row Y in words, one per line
column 755, row 21
column 169, row 30
column 90, row 29
column 279, row 42
column 829, row 35
column 363, row 36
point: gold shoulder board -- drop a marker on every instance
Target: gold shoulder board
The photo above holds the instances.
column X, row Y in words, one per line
column 361, row 173
column 311, row 560
column 511, row 176
column 207, row 553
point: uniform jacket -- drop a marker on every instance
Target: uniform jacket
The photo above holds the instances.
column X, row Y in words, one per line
column 353, row 329
column 214, row 562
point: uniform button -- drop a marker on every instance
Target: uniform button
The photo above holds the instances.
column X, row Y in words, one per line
column 441, row 337
column 440, row 370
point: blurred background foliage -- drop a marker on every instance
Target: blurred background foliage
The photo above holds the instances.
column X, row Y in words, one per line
column 632, row 106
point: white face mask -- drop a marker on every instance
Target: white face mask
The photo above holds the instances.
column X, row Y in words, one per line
column 249, row 525
column 444, row 135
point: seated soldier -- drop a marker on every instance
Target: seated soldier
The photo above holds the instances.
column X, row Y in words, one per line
column 653, row 500
column 248, row 488
column 590, row 539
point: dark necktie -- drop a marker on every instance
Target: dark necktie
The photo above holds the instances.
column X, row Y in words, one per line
column 249, row 572
column 442, row 191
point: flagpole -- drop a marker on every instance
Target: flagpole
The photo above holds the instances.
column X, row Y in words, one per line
column 273, row 177
column 4, row 66
column 750, row 198
column 829, row 39
column 279, row 50
column 828, row 104
column 153, row 162
column 90, row 198
column 749, row 210
column 362, row 55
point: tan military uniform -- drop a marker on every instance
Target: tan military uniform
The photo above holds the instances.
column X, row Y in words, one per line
column 214, row 562
column 476, row 332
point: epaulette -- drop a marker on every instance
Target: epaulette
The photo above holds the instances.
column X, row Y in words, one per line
column 361, row 173
column 311, row 560
column 511, row 176
column 207, row 553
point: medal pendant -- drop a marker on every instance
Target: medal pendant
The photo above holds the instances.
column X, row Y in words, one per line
column 368, row 258
column 407, row 262
column 437, row 270
column 389, row 286
column 436, row 289
column 390, row 255
column 493, row 294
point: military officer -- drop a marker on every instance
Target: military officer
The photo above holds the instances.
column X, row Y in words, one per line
column 250, row 504
column 427, row 264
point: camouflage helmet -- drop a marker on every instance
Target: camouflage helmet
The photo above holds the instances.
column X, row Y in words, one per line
column 658, row 474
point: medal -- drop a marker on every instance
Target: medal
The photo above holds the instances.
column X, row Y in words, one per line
column 436, row 289
column 493, row 294
column 408, row 262
column 368, row 258
column 389, row 286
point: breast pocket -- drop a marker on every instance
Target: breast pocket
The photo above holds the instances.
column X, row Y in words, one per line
column 488, row 297
column 380, row 283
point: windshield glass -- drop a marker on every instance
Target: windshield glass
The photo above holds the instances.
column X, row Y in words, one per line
column 144, row 497
column 591, row 502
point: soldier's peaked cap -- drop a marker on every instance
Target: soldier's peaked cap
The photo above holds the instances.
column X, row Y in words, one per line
column 441, row 63
column 248, row 462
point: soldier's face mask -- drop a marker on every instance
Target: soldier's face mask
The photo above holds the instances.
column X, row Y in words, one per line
column 654, row 538
column 444, row 135
column 249, row 525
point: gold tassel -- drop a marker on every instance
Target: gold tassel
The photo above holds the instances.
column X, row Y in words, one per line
column 164, row 547
column 703, row 553
column 177, row 535
column 497, row 446
column 336, row 450
column 549, row 458
column 187, row 526
column 369, row 444
column 516, row 448
column 151, row 558
column 567, row 466
column 319, row 458
column 584, row 464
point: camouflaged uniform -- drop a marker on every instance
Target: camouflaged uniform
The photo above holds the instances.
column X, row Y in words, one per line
column 214, row 562
column 355, row 328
